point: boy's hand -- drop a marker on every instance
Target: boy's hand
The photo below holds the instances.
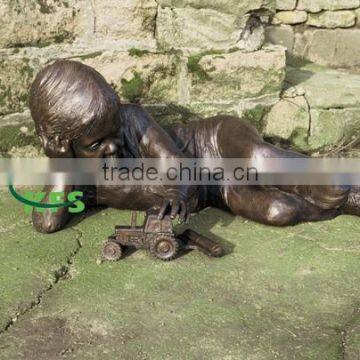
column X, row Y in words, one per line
column 57, row 148
column 178, row 201
column 177, row 207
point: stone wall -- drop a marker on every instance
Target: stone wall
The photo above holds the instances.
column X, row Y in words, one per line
column 185, row 58
column 326, row 32
column 319, row 108
column 180, row 58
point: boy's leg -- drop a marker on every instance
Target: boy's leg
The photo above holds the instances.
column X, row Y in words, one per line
column 237, row 140
column 323, row 196
column 272, row 206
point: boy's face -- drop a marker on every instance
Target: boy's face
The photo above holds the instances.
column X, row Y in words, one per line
column 103, row 141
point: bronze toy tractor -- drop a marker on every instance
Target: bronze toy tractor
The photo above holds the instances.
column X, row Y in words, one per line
column 158, row 237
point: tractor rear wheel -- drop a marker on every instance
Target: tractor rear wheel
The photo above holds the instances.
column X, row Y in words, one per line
column 164, row 247
column 111, row 251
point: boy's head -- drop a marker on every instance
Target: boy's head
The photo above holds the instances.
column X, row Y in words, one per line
column 74, row 110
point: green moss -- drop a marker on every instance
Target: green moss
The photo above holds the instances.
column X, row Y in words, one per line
column 5, row 94
column 44, row 7
column 62, row 36
column 11, row 136
column 12, row 95
column 157, row 93
column 154, row 87
column 171, row 114
column 133, row 89
column 149, row 21
column 44, row 42
column 270, row 80
column 299, row 139
column 23, row 98
column 15, row 6
column 27, row 71
column 137, row 52
column 196, row 69
column 259, row 301
column 255, row 115
column 33, row 268
column 233, row 49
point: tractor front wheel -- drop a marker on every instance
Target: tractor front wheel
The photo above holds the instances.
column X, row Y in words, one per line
column 111, row 251
column 164, row 247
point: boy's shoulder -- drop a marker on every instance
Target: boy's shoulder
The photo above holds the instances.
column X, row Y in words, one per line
column 132, row 110
column 134, row 117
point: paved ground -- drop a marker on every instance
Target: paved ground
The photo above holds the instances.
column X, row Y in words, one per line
column 277, row 294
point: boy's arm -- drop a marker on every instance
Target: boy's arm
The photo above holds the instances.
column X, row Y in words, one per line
column 48, row 221
column 154, row 142
column 145, row 136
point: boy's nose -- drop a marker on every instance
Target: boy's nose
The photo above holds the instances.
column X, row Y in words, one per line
column 110, row 149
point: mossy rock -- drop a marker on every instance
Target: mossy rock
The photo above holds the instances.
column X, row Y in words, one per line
column 16, row 75
column 133, row 89
column 138, row 52
column 11, row 136
column 37, row 22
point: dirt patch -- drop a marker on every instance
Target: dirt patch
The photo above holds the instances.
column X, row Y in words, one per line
column 52, row 339
column 44, row 338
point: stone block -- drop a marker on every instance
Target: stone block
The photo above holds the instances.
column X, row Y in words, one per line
column 234, row 7
column 16, row 75
column 18, row 136
column 286, row 4
column 208, row 109
column 18, row 68
column 357, row 14
column 280, row 35
column 252, row 110
column 339, row 48
column 333, row 127
column 291, row 17
column 147, row 78
column 136, row 75
column 17, row 132
column 332, row 19
column 318, row 5
column 326, row 88
column 126, row 19
column 228, row 78
column 333, row 99
column 287, row 117
column 207, row 29
column 301, row 41
column 32, row 22
column 347, row 50
column 16, row 118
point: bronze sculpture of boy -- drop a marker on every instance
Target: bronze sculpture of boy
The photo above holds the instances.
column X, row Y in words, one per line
column 78, row 114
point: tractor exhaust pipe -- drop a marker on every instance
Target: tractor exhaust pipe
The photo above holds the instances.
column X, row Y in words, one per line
column 192, row 240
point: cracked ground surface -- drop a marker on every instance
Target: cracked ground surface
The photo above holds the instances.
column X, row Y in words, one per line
column 290, row 293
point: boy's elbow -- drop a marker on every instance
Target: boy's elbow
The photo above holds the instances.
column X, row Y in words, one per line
column 46, row 224
column 47, row 227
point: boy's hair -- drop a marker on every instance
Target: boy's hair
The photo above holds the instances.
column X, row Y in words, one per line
column 68, row 98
